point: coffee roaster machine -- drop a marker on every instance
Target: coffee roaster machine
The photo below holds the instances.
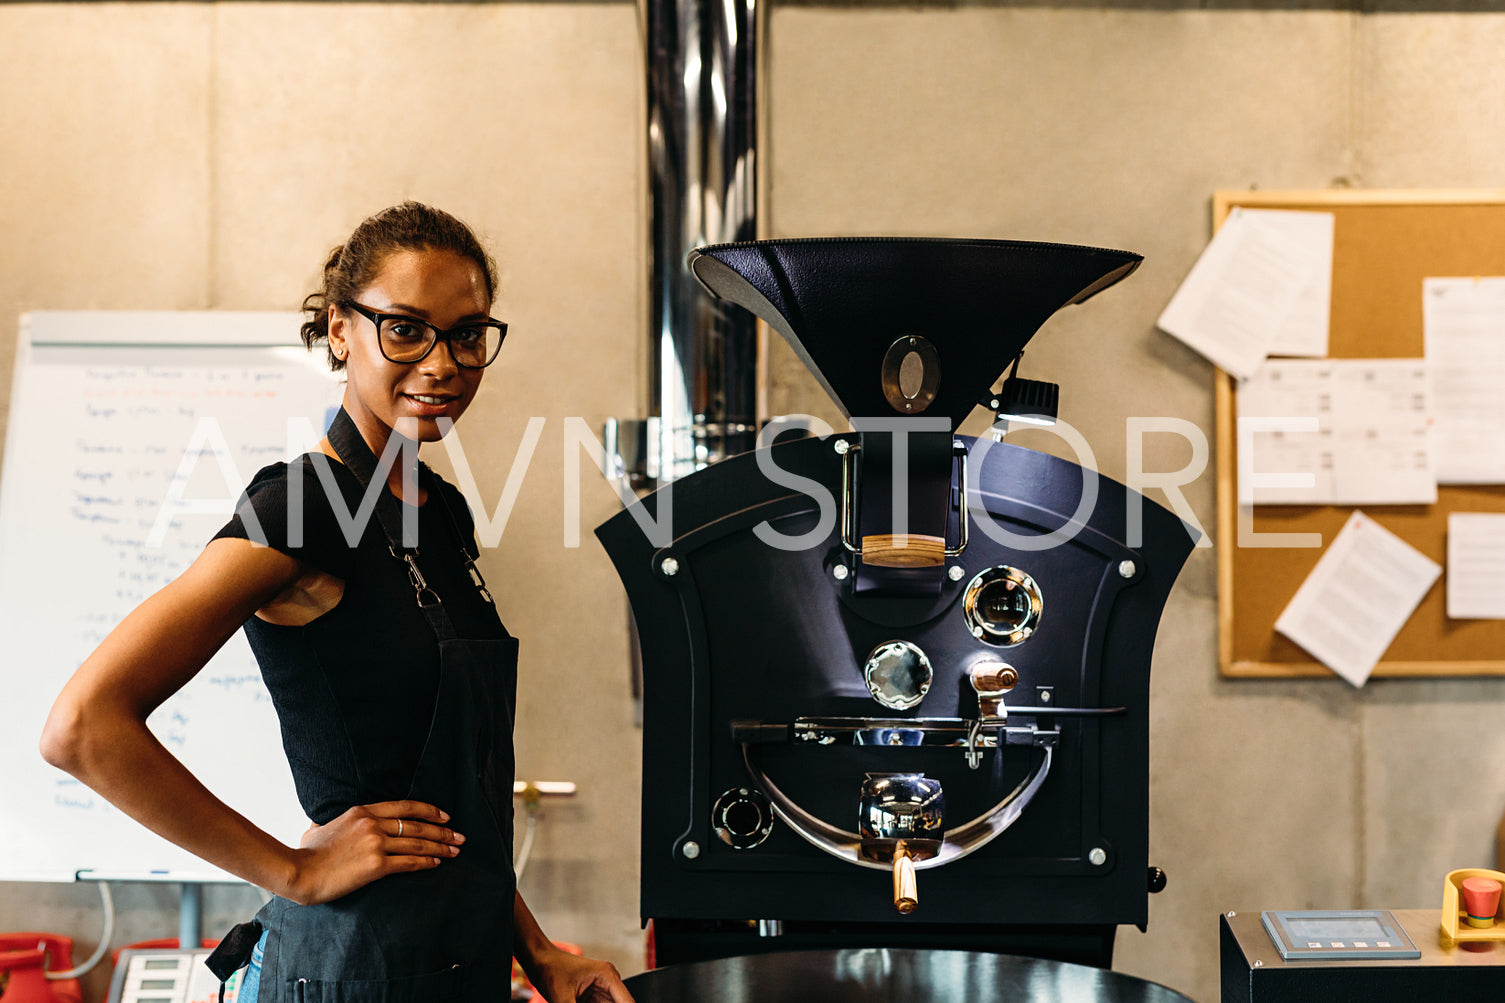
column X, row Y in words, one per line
column 896, row 680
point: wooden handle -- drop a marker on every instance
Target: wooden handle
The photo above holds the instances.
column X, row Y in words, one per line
column 906, row 889
column 918, row 551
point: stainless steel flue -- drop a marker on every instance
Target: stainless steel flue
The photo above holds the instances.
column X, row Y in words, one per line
column 701, row 393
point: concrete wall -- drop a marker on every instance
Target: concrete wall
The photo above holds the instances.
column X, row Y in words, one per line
column 206, row 156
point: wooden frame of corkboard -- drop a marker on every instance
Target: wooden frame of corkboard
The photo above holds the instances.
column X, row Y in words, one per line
column 1384, row 244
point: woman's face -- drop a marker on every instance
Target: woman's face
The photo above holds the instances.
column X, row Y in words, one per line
column 440, row 287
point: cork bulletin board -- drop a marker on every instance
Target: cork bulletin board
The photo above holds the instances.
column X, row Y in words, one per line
column 1384, row 244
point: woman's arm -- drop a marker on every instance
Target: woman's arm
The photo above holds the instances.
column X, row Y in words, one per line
column 560, row 976
column 97, row 732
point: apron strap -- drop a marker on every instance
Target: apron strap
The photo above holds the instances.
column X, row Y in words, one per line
column 454, row 525
column 351, row 448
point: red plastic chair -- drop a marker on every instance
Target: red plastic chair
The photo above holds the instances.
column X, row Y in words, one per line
column 25, row 960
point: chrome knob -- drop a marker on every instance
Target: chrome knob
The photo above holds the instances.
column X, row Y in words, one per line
column 898, row 674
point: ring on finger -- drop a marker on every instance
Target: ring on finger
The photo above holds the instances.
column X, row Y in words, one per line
column 399, row 827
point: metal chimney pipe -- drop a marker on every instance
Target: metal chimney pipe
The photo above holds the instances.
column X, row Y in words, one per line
column 702, row 177
column 702, row 375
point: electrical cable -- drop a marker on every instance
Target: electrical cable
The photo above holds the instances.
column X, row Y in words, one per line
column 105, row 937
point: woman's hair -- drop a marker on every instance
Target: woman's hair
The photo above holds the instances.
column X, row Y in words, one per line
column 354, row 265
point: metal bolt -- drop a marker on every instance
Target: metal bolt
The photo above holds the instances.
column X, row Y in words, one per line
column 1259, row 964
column 994, row 403
column 691, row 850
column 1231, row 914
column 839, row 572
column 956, row 572
column 1045, row 696
column 841, row 447
column 1098, row 856
column 669, row 567
column 1126, row 569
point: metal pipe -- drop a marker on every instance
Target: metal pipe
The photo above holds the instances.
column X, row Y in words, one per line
column 702, row 131
column 190, row 915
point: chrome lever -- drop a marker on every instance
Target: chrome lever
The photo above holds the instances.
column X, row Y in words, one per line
column 974, row 754
column 990, row 679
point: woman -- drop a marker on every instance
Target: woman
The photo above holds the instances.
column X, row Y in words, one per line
column 392, row 675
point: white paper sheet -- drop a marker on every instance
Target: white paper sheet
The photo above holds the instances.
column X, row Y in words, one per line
column 1372, row 440
column 1476, row 566
column 1357, row 598
column 1262, row 282
column 1464, row 323
column 1303, row 331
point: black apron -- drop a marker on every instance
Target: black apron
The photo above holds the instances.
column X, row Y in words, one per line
column 442, row 934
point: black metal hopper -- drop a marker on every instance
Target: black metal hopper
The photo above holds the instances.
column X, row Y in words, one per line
column 841, row 302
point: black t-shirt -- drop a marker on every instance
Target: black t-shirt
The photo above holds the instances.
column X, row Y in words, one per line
column 354, row 689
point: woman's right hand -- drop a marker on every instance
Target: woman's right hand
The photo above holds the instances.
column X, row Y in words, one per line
column 366, row 843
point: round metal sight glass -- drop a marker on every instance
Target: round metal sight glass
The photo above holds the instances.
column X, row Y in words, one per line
column 898, row 674
column 742, row 817
column 1002, row 606
column 910, row 374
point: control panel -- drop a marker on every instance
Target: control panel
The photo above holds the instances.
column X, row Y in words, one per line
column 1316, row 934
column 168, row 976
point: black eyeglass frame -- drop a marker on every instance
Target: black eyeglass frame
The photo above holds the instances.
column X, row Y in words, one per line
column 440, row 334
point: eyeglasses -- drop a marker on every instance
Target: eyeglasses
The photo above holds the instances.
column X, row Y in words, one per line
column 404, row 339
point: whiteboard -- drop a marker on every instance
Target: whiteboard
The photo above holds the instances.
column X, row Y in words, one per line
column 130, row 437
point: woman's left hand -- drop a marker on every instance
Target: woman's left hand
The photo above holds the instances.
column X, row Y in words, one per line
column 562, row 977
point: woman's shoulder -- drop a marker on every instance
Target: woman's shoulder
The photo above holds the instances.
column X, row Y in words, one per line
column 303, row 508
column 313, row 480
column 280, row 472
